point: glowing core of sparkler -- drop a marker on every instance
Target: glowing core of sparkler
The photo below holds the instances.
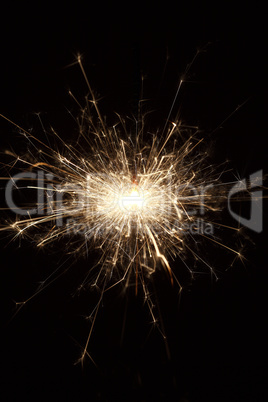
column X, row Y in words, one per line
column 132, row 201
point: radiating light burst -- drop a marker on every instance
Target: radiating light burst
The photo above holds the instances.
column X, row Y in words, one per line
column 137, row 197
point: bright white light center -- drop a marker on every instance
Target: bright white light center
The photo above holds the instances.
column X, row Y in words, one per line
column 132, row 201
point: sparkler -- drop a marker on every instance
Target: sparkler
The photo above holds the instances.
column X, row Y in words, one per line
column 138, row 199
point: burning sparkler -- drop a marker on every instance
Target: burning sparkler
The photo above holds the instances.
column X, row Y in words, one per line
column 138, row 201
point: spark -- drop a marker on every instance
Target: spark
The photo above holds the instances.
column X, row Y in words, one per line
column 133, row 200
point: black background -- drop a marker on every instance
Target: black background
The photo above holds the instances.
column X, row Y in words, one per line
column 216, row 331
